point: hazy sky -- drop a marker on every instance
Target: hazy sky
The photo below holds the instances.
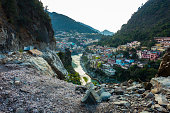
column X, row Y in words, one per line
column 100, row 14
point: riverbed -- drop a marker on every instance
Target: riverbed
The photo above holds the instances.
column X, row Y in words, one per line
column 79, row 69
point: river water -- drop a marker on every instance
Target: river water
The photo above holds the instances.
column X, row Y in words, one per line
column 79, row 69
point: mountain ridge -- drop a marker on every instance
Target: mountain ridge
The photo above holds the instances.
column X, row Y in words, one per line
column 151, row 20
column 62, row 22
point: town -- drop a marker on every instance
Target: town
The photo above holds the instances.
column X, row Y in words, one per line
column 74, row 41
column 104, row 58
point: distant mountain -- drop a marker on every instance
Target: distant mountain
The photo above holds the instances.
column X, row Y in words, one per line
column 107, row 33
column 151, row 20
column 64, row 23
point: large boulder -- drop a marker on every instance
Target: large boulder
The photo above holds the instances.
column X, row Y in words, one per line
column 161, row 83
column 164, row 69
column 40, row 64
column 105, row 96
column 55, row 63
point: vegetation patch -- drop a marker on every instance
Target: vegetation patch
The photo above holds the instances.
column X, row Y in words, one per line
column 85, row 79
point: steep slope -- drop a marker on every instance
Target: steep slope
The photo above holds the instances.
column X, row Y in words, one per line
column 24, row 23
column 63, row 23
column 151, row 20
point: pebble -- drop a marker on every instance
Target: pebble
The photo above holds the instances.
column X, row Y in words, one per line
column 149, row 95
column 20, row 110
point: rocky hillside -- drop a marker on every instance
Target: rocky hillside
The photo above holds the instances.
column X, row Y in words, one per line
column 29, row 83
column 25, row 89
column 151, row 20
column 24, row 23
column 63, row 23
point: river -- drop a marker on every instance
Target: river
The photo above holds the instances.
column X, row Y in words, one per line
column 79, row 69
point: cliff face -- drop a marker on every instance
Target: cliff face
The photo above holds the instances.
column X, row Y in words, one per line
column 24, row 23
column 164, row 69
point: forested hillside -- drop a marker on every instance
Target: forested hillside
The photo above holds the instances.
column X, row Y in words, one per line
column 151, row 20
column 63, row 23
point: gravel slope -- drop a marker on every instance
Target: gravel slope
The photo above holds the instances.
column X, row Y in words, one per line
column 35, row 91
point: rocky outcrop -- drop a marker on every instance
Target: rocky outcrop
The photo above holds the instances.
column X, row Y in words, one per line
column 42, row 65
column 67, row 60
column 55, row 63
column 161, row 84
column 164, row 69
column 47, row 62
column 24, row 23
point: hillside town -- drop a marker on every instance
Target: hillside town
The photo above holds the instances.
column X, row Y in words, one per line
column 132, row 53
column 74, row 41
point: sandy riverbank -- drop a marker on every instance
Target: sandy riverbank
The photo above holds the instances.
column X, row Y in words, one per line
column 79, row 69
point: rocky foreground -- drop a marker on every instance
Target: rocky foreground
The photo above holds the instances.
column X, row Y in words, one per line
column 26, row 88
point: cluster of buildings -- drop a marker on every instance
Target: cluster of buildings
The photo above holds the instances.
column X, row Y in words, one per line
column 61, row 46
column 162, row 43
column 130, row 45
column 74, row 41
column 148, row 54
column 106, row 57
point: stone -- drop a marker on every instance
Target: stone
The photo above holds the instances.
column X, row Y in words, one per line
column 57, row 66
column 130, row 81
column 137, row 95
column 149, row 95
column 90, row 85
column 164, row 68
column 147, row 85
column 134, row 87
column 91, row 97
column 141, row 91
column 103, row 85
column 118, row 92
column 10, row 53
column 101, row 91
column 35, row 110
column 162, row 83
column 122, row 103
column 17, row 81
column 161, row 99
column 168, row 106
column 155, row 90
column 105, row 96
column 149, row 104
column 82, row 89
column 160, row 108
column 35, row 52
column 125, row 83
column 42, row 65
column 112, row 91
column 2, row 56
column 144, row 112
column 20, row 110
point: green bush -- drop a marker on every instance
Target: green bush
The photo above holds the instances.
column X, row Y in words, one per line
column 74, row 78
column 85, row 79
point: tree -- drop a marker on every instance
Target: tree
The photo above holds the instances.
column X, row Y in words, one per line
column 10, row 9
